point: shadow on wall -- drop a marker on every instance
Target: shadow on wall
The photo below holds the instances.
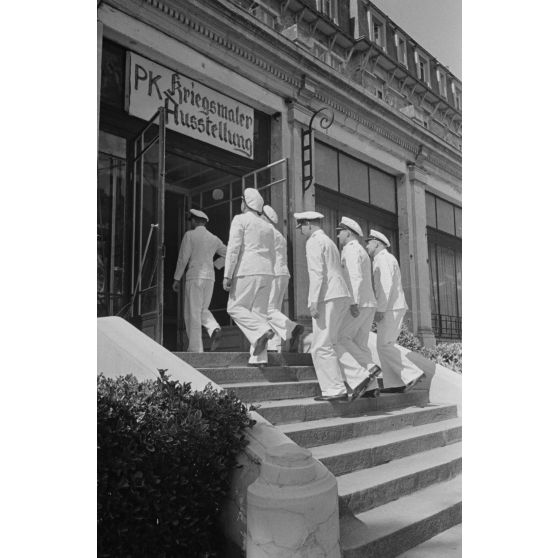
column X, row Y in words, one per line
column 443, row 384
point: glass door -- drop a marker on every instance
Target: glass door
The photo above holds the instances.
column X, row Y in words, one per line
column 148, row 227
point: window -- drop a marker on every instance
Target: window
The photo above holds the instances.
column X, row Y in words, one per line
column 442, row 83
column 264, row 14
column 376, row 29
column 456, row 96
column 329, row 58
column 443, row 221
column 401, row 46
column 423, row 68
column 328, row 8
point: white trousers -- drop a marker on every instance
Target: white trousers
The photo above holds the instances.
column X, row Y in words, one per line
column 280, row 323
column 391, row 359
column 352, row 349
column 325, row 334
column 197, row 297
column 247, row 306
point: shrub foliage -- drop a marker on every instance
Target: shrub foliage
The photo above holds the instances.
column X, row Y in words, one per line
column 165, row 458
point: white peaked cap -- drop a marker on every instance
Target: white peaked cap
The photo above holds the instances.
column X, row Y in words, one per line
column 270, row 213
column 253, row 199
column 309, row 215
column 200, row 214
column 378, row 236
column 352, row 225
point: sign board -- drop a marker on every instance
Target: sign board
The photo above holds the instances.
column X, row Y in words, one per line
column 191, row 108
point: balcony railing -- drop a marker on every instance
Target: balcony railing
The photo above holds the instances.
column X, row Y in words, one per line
column 446, row 327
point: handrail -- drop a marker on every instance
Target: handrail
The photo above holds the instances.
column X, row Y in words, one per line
column 128, row 306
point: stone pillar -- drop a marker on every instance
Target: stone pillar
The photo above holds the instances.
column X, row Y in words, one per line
column 292, row 508
column 298, row 118
column 99, row 72
column 413, row 250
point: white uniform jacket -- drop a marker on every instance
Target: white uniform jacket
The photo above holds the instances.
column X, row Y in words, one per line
column 357, row 271
column 324, row 269
column 196, row 251
column 281, row 267
column 387, row 283
column 251, row 247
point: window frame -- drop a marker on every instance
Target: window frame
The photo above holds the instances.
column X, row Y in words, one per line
column 401, row 41
column 421, row 57
column 373, row 20
column 329, row 8
column 442, row 78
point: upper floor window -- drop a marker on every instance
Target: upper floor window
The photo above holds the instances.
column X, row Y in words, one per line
column 456, row 96
column 328, row 8
column 264, row 13
column 442, row 83
column 401, row 46
column 423, row 68
column 376, row 30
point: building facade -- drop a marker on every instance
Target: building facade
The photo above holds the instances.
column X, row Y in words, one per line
column 197, row 100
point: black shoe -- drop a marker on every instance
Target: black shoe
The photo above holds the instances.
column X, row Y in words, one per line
column 374, row 372
column 261, row 343
column 342, row 397
column 414, row 382
column 295, row 336
column 216, row 339
column 359, row 390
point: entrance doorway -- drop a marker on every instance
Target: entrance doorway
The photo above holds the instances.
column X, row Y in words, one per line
column 192, row 184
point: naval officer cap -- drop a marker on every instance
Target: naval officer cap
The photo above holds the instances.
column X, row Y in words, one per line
column 270, row 213
column 307, row 216
column 350, row 224
column 253, row 199
column 377, row 235
column 198, row 214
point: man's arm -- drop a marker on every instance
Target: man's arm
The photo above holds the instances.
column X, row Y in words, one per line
column 236, row 236
column 383, row 282
column 183, row 258
column 315, row 271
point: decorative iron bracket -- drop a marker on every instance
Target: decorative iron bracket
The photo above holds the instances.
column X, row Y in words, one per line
column 306, row 143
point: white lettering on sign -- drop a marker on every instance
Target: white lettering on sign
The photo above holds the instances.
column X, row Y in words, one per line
column 191, row 108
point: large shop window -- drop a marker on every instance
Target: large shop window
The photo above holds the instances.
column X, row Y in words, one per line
column 111, row 231
column 444, row 255
column 348, row 187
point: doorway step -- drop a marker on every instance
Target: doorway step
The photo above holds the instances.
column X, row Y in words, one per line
column 397, row 458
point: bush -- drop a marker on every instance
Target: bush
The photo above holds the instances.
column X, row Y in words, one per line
column 446, row 354
column 165, row 458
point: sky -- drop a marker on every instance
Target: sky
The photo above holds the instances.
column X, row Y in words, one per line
column 434, row 24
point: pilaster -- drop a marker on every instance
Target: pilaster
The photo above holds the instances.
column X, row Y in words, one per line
column 413, row 250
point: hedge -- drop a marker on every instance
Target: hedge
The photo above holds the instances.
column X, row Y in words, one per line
column 165, row 458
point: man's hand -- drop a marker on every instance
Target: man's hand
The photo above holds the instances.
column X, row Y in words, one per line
column 379, row 316
column 314, row 310
column 176, row 286
column 227, row 284
column 354, row 310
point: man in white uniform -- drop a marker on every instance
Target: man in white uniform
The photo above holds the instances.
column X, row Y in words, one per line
column 328, row 298
column 283, row 326
column 249, row 272
column 390, row 311
column 197, row 250
column 360, row 371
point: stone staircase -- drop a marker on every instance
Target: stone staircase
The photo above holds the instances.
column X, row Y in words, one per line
column 397, row 458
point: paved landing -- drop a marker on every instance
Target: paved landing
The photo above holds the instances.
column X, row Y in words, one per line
column 444, row 545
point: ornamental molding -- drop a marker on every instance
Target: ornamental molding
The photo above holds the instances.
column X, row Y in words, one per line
column 301, row 85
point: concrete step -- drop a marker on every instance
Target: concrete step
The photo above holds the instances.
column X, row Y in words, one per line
column 376, row 449
column 229, row 375
column 372, row 487
column 444, row 545
column 336, row 429
column 272, row 391
column 289, row 411
column 218, row 359
column 398, row 526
